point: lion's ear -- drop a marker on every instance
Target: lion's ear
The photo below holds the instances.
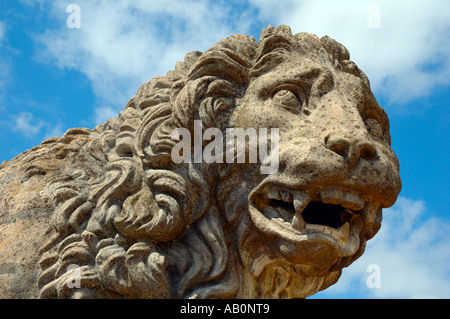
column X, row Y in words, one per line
column 336, row 50
column 340, row 57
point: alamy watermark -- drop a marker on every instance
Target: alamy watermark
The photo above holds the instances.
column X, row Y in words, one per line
column 374, row 279
column 374, row 19
column 235, row 140
column 74, row 280
column 74, row 19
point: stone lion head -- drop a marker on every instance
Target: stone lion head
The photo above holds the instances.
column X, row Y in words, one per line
column 139, row 225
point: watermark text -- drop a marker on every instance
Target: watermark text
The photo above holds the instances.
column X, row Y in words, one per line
column 235, row 146
column 74, row 19
column 374, row 279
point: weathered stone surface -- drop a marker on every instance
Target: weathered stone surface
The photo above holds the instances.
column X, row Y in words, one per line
column 113, row 201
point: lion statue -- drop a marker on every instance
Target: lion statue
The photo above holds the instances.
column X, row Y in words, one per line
column 108, row 213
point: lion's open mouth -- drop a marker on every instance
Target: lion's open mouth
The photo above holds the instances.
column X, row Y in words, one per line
column 315, row 211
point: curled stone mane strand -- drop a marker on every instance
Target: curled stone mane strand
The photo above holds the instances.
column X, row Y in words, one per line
column 137, row 221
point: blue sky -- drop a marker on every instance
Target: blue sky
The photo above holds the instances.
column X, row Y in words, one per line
column 53, row 78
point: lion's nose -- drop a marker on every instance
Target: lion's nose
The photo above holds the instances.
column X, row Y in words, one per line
column 352, row 150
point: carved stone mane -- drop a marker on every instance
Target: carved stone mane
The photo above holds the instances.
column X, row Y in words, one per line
column 111, row 206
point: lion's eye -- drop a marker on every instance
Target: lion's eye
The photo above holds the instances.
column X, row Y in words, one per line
column 373, row 127
column 287, row 98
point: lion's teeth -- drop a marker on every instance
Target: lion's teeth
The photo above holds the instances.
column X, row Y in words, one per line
column 287, row 197
column 300, row 202
column 273, row 194
column 344, row 231
column 297, row 222
column 345, row 199
column 340, row 234
column 327, row 230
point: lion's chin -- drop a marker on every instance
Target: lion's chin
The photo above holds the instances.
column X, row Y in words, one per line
column 309, row 229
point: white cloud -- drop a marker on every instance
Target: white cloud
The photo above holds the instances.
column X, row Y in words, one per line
column 121, row 46
column 104, row 113
column 30, row 126
column 405, row 58
column 54, row 130
column 412, row 252
column 26, row 124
